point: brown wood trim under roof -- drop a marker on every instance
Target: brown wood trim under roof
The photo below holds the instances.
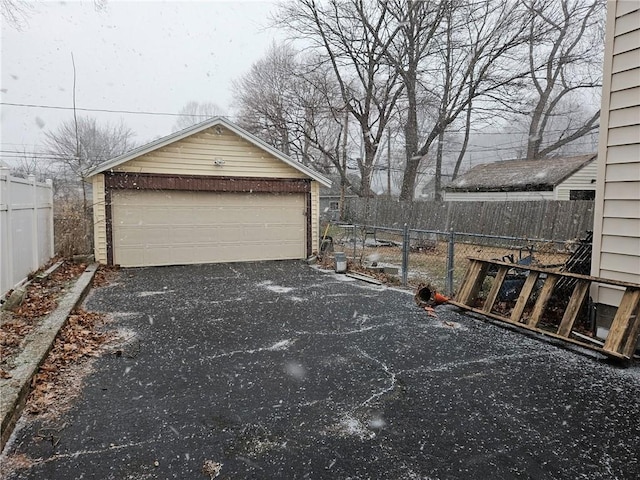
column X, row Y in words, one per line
column 309, row 211
column 108, row 225
column 197, row 183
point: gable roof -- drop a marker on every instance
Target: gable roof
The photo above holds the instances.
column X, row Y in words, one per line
column 335, row 188
column 187, row 132
column 519, row 175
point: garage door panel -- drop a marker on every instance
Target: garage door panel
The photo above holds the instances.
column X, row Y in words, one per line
column 165, row 228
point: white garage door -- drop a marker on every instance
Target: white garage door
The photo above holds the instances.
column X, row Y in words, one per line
column 176, row 227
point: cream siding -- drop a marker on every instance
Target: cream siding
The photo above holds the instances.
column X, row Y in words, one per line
column 627, row 116
column 623, row 172
column 622, row 245
column 616, row 248
column 623, row 154
column 197, row 154
column 624, row 135
column 622, row 209
column 182, row 227
column 315, row 217
column 626, row 61
column 621, row 227
column 621, row 190
column 583, row 179
column 99, row 219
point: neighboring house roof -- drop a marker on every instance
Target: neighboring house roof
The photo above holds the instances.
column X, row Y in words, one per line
column 212, row 122
column 519, row 175
column 334, row 189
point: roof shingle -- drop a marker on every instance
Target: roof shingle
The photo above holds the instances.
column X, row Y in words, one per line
column 519, row 175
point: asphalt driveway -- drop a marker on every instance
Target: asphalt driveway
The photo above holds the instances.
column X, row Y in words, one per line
column 277, row 370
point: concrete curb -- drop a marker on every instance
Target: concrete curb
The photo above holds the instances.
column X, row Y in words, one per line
column 14, row 391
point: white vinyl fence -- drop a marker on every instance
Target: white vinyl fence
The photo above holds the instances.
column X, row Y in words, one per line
column 26, row 228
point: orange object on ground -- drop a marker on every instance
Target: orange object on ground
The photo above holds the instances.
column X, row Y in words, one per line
column 439, row 299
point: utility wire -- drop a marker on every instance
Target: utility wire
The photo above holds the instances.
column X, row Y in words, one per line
column 142, row 112
column 103, row 110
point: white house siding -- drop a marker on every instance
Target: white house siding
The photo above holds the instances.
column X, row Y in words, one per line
column 583, row 179
column 497, row 196
column 616, row 248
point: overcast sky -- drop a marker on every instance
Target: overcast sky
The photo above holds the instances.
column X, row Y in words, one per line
column 148, row 56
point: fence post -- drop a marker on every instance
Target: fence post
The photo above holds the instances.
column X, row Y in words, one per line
column 405, row 254
column 50, row 218
column 35, row 240
column 9, row 235
column 450, row 262
column 355, row 242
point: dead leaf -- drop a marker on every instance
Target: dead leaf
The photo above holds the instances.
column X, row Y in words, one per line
column 430, row 312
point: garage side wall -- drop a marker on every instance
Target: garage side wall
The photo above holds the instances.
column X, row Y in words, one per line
column 99, row 219
column 315, row 216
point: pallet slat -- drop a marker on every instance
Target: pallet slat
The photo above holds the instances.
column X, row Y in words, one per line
column 495, row 289
column 473, row 281
column 573, row 308
column 543, row 299
column 620, row 325
column 523, row 298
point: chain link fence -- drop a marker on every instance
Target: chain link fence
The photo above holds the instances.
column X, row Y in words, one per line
column 414, row 256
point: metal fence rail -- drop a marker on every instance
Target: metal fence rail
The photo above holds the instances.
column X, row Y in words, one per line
column 440, row 257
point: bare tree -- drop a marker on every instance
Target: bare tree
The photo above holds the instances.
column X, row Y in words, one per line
column 352, row 37
column 195, row 112
column 450, row 54
column 565, row 55
column 264, row 96
column 15, row 12
column 79, row 149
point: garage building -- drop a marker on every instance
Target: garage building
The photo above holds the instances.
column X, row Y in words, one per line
column 211, row 193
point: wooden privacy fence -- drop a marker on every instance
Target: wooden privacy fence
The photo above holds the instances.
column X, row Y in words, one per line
column 536, row 290
column 26, row 228
column 549, row 219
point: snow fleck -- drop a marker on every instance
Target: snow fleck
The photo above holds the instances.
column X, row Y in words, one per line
column 268, row 284
column 295, row 370
column 377, row 422
column 281, row 345
column 150, row 294
column 351, row 426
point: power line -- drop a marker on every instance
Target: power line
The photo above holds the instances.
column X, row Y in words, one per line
column 103, row 110
column 142, row 112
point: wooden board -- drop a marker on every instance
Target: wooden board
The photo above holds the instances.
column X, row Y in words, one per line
column 573, row 308
column 523, row 298
column 495, row 289
column 543, row 299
